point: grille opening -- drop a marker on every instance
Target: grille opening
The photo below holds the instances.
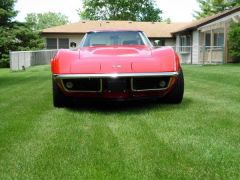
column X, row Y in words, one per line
column 84, row 85
column 116, row 84
column 150, row 83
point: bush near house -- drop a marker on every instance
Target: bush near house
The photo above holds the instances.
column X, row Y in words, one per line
column 234, row 41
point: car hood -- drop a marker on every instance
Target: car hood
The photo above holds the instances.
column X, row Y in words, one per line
column 116, row 60
column 110, row 51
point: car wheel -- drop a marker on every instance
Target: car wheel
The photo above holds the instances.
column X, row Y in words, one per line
column 175, row 96
column 59, row 99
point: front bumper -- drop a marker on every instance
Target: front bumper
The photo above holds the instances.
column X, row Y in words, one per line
column 114, row 75
column 117, row 85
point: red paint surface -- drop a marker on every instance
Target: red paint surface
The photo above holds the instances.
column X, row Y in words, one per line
column 115, row 59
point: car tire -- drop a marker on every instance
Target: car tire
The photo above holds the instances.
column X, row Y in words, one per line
column 175, row 96
column 59, row 99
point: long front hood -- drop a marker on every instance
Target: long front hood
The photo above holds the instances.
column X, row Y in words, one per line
column 118, row 60
column 115, row 51
column 118, row 66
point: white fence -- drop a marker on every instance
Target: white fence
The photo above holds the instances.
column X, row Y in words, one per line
column 22, row 59
column 188, row 55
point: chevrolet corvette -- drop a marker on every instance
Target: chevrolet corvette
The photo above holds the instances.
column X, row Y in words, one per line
column 116, row 65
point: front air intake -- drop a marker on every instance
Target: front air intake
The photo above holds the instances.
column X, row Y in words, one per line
column 83, row 84
column 149, row 83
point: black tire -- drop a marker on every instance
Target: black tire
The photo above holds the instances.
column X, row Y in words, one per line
column 175, row 96
column 59, row 99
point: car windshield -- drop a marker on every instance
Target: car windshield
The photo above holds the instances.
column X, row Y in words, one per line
column 109, row 38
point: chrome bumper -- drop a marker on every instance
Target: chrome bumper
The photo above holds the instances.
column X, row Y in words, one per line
column 114, row 75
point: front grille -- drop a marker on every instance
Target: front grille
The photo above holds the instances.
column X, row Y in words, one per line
column 116, row 84
column 83, row 85
column 149, row 83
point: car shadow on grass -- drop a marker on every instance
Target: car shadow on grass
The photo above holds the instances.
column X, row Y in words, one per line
column 126, row 106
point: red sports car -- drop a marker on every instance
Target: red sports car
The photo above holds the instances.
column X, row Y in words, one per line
column 117, row 65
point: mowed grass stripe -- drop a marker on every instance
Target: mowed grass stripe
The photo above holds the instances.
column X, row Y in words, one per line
column 146, row 153
column 20, row 108
column 28, row 148
column 90, row 151
column 146, row 140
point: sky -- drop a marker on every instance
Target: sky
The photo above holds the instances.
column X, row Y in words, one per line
column 176, row 10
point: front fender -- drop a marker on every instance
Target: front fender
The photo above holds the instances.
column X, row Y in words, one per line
column 168, row 58
column 61, row 63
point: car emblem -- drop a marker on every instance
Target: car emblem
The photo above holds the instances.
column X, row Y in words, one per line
column 116, row 66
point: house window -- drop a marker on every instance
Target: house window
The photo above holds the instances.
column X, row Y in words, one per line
column 63, row 43
column 158, row 42
column 185, row 43
column 51, row 43
column 219, row 39
column 208, row 39
column 73, row 45
column 161, row 42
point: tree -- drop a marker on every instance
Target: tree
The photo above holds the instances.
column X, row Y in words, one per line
column 234, row 41
column 211, row 7
column 14, row 36
column 7, row 12
column 233, row 3
column 26, row 39
column 141, row 10
column 167, row 20
column 45, row 20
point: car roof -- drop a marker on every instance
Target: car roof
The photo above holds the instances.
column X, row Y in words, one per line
column 115, row 30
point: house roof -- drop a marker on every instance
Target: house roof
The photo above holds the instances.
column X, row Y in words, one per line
column 198, row 23
column 152, row 29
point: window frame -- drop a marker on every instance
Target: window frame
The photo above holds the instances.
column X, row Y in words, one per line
column 63, row 46
column 218, row 39
column 48, row 44
column 185, row 43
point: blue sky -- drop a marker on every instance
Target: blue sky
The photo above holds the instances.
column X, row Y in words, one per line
column 177, row 10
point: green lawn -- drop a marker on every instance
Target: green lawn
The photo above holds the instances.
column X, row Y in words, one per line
column 198, row 139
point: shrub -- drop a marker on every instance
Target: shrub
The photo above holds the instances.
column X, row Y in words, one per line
column 234, row 41
column 4, row 61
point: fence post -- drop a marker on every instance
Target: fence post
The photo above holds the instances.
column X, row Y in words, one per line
column 11, row 60
column 223, row 55
column 191, row 51
column 203, row 52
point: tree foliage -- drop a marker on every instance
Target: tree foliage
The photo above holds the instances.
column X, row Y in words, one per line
column 14, row 36
column 7, row 12
column 234, row 40
column 210, row 7
column 167, row 20
column 141, row 10
column 45, row 20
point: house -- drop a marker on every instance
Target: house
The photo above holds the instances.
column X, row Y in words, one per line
column 206, row 40
column 198, row 42
column 70, row 35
